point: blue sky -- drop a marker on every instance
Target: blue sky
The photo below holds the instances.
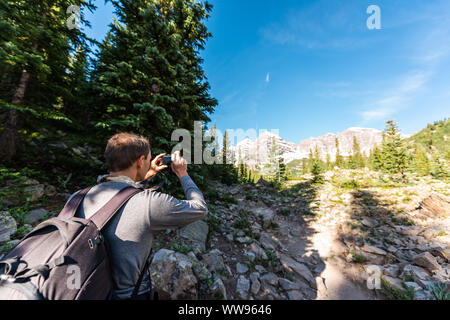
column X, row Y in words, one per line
column 308, row 68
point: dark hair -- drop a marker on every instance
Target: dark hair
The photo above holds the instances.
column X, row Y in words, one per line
column 123, row 149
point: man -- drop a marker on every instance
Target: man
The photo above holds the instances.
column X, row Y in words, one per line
column 129, row 232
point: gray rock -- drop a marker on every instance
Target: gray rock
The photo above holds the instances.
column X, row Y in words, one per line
column 413, row 285
column 241, row 268
column 258, row 251
column 50, row 191
column 288, row 285
column 295, row 295
column 218, row 290
column 250, row 255
column 395, row 283
column 35, row 215
column 196, row 232
column 260, row 268
column 427, row 261
column 7, row 226
column 256, row 285
column 172, row 276
column 392, row 271
column 269, row 241
column 242, row 287
column 290, row 264
column 34, row 192
column 267, row 215
column 373, row 249
column 214, row 262
column 369, row 222
column 417, row 273
column 270, row 278
column 244, row 240
column 58, row 145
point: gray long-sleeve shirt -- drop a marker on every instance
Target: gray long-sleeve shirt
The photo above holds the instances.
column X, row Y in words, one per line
column 129, row 232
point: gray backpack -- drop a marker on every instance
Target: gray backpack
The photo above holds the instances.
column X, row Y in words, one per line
column 64, row 258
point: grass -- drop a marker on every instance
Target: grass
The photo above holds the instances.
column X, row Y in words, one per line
column 181, row 247
column 440, row 291
column 358, row 257
column 284, row 211
column 394, row 294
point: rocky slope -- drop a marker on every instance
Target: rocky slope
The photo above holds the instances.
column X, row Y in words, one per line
column 329, row 241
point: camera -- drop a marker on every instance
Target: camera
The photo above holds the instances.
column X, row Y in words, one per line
column 166, row 160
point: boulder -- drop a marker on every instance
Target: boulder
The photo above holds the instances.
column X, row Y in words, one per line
column 373, row 249
column 35, row 215
column 34, row 192
column 268, row 241
column 436, row 205
column 196, row 233
column 267, row 215
column 427, row 261
column 218, row 290
column 270, row 278
column 172, row 276
column 369, row 222
column 242, row 287
column 258, row 251
column 295, row 295
column 300, row 269
column 256, row 285
column 214, row 262
column 7, row 226
column 241, row 268
column 395, row 283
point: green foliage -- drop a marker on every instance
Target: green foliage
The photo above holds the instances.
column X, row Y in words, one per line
column 440, row 291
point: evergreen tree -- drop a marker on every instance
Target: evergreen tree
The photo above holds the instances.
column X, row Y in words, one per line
column 316, row 166
column 356, row 160
column 35, row 52
column 339, row 160
column 421, row 163
column 393, row 151
column 148, row 76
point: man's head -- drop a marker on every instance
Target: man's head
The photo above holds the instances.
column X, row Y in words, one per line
column 128, row 152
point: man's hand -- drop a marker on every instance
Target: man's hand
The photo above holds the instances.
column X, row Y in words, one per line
column 179, row 165
column 155, row 166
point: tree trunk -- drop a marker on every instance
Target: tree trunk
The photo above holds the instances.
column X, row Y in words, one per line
column 8, row 138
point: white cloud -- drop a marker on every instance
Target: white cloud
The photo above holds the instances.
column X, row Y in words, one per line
column 267, row 77
column 396, row 99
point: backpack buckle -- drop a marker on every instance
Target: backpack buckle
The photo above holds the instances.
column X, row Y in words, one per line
column 97, row 240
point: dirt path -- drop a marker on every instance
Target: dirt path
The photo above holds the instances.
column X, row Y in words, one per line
column 335, row 284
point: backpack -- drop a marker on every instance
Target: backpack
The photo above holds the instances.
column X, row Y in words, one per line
column 64, row 258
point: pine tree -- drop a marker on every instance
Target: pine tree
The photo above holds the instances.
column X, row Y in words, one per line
column 148, row 76
column 356, row 160
column 339, row 160
column 316, row 166
column 35, row 52
column 328, row 164
column 421, row 163
column 393, row 151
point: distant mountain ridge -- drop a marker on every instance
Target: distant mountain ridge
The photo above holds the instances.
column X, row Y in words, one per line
column 257, row 152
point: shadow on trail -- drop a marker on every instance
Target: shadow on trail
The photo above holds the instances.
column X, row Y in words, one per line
column 295, row 229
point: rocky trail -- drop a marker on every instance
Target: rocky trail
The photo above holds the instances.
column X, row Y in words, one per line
column 347, row 238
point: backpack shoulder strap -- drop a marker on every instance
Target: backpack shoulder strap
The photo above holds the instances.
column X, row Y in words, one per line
column 71, row 207
column 105, row 213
